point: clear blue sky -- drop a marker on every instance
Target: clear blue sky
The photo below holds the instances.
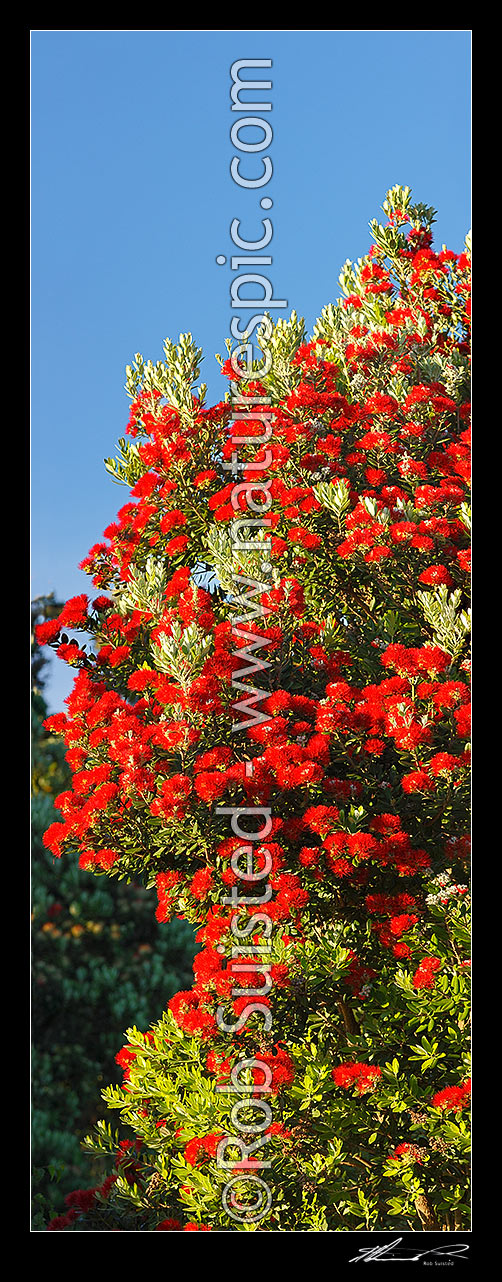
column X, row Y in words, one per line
column 132, row 201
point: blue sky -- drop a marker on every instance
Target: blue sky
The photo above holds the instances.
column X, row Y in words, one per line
column 132, row 201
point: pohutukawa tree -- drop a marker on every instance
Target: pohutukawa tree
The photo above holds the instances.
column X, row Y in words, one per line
column 271, row 726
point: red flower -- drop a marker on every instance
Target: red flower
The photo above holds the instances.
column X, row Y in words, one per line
column 408, row 1151
column 453, row 1097
column 363, row 1076
column 424, row 976
column 435, row 576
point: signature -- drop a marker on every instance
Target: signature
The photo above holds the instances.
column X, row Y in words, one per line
column 456, row 1250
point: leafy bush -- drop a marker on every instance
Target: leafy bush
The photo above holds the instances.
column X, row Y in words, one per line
column 272, row 729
